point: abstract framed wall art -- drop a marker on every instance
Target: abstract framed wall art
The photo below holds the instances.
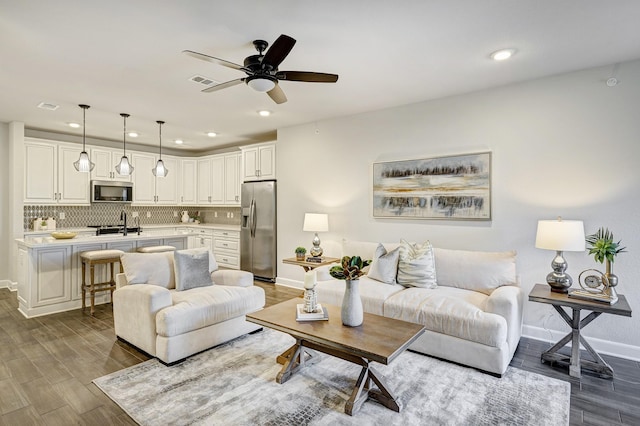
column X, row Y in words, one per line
column 456, row 187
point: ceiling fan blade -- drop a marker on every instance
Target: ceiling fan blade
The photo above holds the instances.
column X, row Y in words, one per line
column 278, row 51
column 223, row 85
column 277, row 95
column 311, row 77
column 215, row 60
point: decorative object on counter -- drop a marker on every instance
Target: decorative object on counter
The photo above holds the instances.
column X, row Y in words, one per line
column 300, row 252
column 560, row 235
column 84, row 163
column 310, row 297
column 160, row 170
column 51, row 224
column 595, row 286
column 350, row 270
column 316, row 222
column 185, row 216
column 43, row 225
column 62, row 235
column 124, row 168
column 37, row 224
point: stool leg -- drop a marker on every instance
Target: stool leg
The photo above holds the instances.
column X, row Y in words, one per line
column 92, row 291
column 112, row 281
column 84, row 284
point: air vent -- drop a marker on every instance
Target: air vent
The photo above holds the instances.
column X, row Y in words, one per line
column 46, row 105
column 203, row 80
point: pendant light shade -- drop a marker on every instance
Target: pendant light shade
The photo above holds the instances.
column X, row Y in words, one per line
column 84, row 163
column 160, row 170
column 124, row 168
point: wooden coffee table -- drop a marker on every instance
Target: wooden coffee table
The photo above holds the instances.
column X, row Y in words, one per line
column 378, row 339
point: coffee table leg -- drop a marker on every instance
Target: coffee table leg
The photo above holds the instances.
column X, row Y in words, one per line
column 291, row 364
column 362, row 391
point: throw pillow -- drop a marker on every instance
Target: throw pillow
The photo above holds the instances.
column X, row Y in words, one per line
column 417, row 267
column 384, row 266
column 192, row 269
column 149, row 268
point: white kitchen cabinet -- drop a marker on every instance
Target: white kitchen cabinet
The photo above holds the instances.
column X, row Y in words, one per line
column 259, row 162
column 232, row 179
column 226, row 248
column 105, row 160
column 49, row 175
column 188, row 182
column 149, row 189
column 211, row 180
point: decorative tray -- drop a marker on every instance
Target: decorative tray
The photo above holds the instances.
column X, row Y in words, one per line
column 63, row 235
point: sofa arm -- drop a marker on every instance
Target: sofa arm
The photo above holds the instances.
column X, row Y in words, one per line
column 134, row 313
column 507, row 301
column 232, row 277
column 121, row 280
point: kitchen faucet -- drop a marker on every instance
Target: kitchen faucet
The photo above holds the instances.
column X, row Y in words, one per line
column 138, row 223
column 123, row 217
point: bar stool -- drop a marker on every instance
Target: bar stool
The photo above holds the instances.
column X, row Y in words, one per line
column 98, row 257
column 155, row 249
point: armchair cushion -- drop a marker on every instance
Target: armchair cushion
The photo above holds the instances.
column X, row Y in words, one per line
column 232, row 277
column 149, row 268
column 192, row 269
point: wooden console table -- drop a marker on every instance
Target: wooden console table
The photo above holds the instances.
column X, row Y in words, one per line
column 542, row 293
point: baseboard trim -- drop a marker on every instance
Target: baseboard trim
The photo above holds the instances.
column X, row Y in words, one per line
column 8, row 284
column 286, row 282
column 601, row 346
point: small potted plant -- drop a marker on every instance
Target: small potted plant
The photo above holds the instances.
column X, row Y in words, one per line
column 43, row 225
column 602, row 247
column 300, row 252
column 350, row 270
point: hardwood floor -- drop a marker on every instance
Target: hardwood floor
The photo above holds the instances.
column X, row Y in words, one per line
column 47, row 365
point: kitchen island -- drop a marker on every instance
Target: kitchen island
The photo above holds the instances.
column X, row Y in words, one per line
column 50, row 270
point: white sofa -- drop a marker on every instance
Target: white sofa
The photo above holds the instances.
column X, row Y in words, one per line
column 151, row 314
column 473, row 316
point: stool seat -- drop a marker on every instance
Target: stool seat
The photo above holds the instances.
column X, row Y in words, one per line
column 155, row 249
column 92, row 258
column 101, row 254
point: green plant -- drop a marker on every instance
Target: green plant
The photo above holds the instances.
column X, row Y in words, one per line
column 301, row 250
column 602, row 246
column 44, row 223
column 350, row 268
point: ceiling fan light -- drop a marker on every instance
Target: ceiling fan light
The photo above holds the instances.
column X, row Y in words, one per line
column 84, row 164
column 261, row 83
column 124, row 168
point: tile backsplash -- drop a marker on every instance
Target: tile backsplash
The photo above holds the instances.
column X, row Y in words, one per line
column 109, row 214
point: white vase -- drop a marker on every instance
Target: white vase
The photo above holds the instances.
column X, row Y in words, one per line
column 352, row 313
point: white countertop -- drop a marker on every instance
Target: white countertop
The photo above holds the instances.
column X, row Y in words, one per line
column 150, row 226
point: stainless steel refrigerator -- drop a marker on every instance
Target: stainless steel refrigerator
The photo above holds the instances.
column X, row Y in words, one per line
column 258, row 229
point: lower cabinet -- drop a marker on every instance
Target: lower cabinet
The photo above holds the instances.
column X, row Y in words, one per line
column 227, row 248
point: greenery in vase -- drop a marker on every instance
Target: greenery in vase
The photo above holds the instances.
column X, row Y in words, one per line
column 602, row 247
column 300, row 251
column 350, row 268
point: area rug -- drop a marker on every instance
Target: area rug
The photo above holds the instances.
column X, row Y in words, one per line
column 234, row 384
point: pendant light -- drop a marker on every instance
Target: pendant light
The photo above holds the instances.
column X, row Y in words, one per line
column 84, row 163
column 160, row 170
column 124, row 168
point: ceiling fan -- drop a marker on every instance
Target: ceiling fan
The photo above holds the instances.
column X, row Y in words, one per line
column 262, row 69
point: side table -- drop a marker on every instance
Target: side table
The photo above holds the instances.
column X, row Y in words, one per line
column 308, row 266
column 542, row 293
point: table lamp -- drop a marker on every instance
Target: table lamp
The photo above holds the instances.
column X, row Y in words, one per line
column 560, row 235
column 316, row 222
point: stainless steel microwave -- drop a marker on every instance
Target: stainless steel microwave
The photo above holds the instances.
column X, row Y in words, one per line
column 103, row 191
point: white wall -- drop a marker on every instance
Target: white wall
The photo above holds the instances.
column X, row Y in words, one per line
column 5, row 241
column 565, row 145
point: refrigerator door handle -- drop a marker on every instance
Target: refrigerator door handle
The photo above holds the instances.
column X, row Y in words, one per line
column 253, row 218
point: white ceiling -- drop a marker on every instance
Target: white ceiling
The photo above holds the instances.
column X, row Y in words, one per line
column 125, row 56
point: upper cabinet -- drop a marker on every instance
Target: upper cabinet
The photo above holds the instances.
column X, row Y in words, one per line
column 49, row 175
column 105, row 160
column 149, row 189
column 259, row 162
column 211, row 180
column 188, row 182
column 232, row 179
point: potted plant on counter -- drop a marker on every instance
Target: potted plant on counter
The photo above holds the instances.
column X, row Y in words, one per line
column 300, row 252
column 350, row 270
column 602, row 247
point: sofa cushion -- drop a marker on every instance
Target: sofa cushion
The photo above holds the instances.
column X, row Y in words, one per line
column 384, row 266
column 365, row 249
column 192, row 269
column 451, row 311
column 372, row 293
column 475, row 270
column 204, row 306
column 149, row 268
column 416, row 266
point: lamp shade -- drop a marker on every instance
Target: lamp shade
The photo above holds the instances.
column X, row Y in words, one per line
column 316, row 222
column 560, row 235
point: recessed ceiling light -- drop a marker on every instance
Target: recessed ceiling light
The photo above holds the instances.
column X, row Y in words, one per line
column 502, row 54
column 133, row 134
column 264, row 113
column 212, row 134
column 49, row 106
column 74, row 125
column 179, row 141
